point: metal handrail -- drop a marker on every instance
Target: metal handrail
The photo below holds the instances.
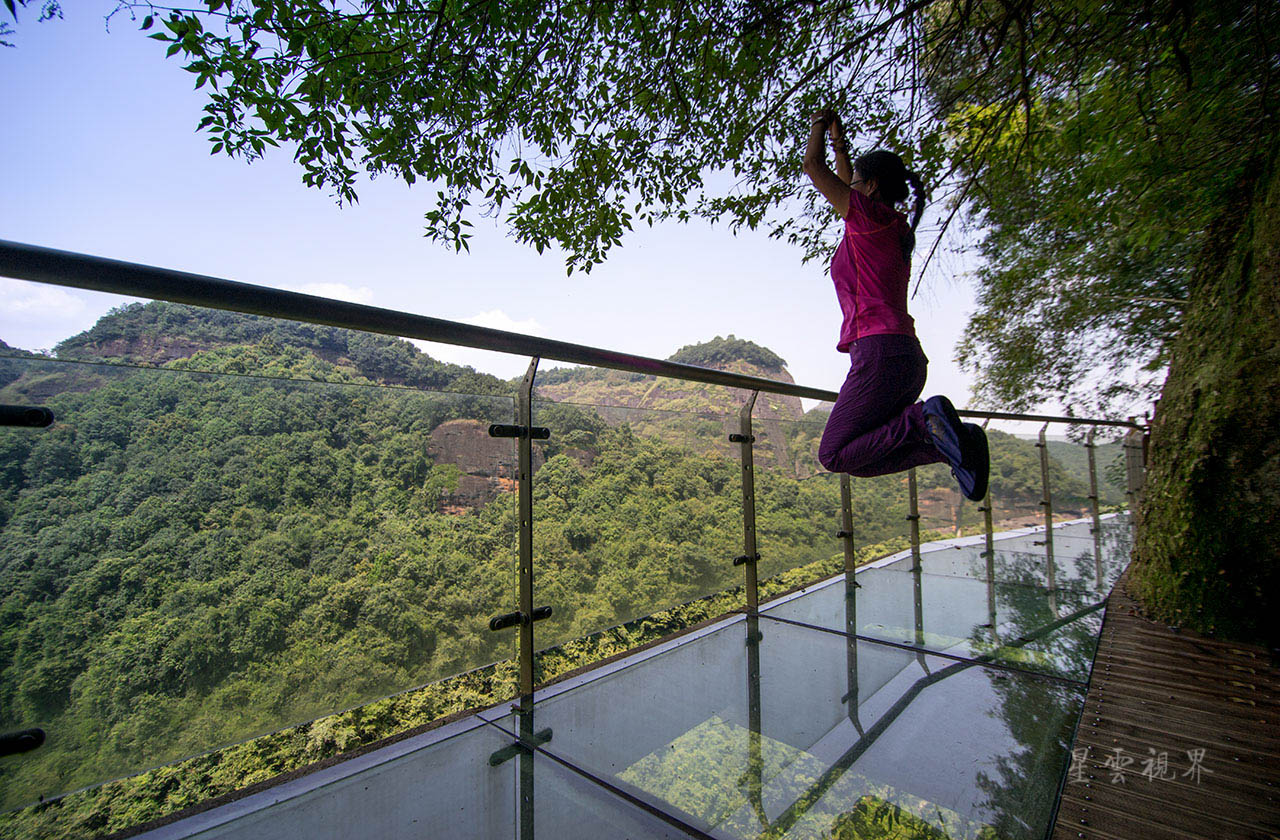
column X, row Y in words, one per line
column 66, row 268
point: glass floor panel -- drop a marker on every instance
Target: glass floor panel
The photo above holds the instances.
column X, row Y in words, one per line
column 835, row 737
column 455, row 788
column 1074, row 566
column 1034, row 628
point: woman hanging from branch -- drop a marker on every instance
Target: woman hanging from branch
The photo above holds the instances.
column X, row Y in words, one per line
column 876, row 427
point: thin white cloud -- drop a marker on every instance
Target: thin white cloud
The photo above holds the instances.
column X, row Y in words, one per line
column 499, row 320
column 36, row 300
column 338, row 291
column 504, row 365
column 36, row 316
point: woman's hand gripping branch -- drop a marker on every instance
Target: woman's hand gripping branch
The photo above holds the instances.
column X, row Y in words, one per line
column 834, row 187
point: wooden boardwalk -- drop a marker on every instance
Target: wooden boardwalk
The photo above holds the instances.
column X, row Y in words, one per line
column 1180, row 737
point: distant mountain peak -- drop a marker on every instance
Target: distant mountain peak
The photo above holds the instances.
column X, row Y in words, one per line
column 721, row 352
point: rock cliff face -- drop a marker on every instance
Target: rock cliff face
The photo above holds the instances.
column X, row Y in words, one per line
column 1206, row 548
column 693, row 415
column 697, row 415
column 487, row 465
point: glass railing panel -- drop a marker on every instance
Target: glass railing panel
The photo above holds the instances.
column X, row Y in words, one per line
column 636, row 510
column 448, row 786
column 470, row 786
column 1022, row 556
column 881, row 515
column 610, row 719
column 192, row 559
column 1015, row 487
column 944, row 512
column 797, row 500
column 834, row 738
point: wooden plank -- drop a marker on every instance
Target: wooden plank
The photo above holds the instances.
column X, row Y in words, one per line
column 1169, row 702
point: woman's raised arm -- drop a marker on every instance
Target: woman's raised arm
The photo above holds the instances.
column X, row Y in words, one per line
column 833, row 188
column 840, row 150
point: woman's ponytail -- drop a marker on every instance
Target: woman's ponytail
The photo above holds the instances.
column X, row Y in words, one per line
column 892, row 178
column 918, row 188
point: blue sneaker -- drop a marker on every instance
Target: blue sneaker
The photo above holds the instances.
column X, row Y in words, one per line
column 975, row 464
column 944, row 427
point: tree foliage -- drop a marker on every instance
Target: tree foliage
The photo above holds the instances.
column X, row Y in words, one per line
column 573, row 121
column 1086, row 141
column 49, row 9
column 1094, row 142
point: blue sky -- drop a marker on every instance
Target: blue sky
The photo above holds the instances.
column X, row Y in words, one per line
column 101, row 157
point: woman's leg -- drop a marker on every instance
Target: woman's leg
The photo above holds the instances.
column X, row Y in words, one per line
column 876, row 427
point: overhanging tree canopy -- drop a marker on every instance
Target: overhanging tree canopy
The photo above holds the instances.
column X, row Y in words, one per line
column 1088, row 141
column 575, row 119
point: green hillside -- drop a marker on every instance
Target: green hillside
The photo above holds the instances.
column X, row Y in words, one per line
column 159, row 332
column 1074, row 458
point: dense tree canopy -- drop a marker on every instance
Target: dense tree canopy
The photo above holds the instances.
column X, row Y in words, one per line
column 1087, row 141
column 721, row 351
column 1095, row 142
column 573, row 120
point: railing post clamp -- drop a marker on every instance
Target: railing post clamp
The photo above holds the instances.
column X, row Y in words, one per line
column 512, row 619
column 35, row 417
column 513, row 430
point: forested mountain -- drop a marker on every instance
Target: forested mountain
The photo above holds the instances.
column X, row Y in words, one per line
column 159, row 332
column 238, row 524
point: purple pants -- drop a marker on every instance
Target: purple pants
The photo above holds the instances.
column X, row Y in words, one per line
column 876, row 426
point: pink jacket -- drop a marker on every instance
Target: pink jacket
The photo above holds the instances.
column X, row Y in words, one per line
column 869, row 272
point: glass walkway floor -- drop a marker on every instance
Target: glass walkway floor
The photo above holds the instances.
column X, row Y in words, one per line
column 927, row 700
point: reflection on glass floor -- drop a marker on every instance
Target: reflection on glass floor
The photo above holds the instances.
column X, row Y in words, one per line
column 893, row 709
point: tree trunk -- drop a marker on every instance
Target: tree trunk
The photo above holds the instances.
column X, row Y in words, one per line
column 1206, row 553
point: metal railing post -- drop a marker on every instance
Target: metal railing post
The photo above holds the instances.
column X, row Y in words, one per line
column 750, row 552
column 1047, row 503
column 745, row 438
column 524, row 432
column 917, row 566
column 1093, row 504
column 846, row 527
column 913, row 517
column 989, row 553
column 524, row 449
column 525, row 488
column 851, row 587
column 1135, row 463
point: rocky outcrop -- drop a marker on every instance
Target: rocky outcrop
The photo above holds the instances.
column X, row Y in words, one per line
column 689, row 411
